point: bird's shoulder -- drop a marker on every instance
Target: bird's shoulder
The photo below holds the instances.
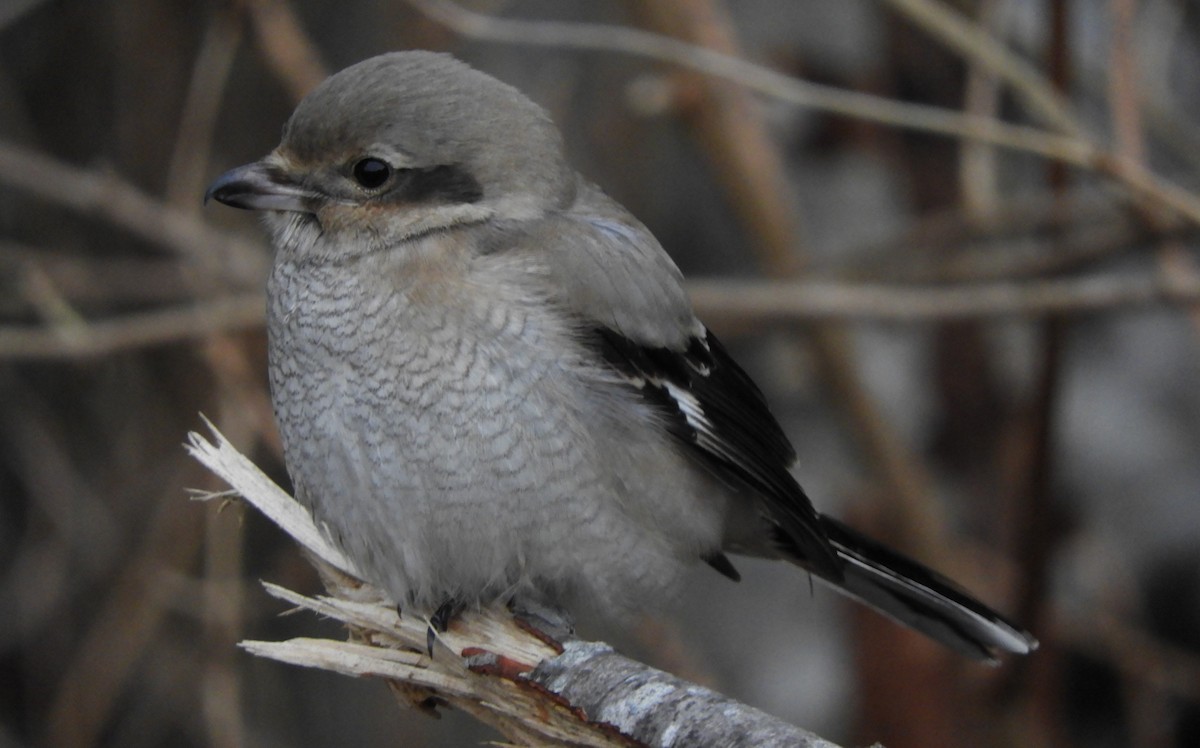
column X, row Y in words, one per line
column 604, row 268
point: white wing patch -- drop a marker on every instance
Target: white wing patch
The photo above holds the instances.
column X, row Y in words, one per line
column 691, row 408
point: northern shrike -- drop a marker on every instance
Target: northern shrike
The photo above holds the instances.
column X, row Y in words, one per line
column 490, row 382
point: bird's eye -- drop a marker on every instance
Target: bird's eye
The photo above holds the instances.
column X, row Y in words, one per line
column 371, row 173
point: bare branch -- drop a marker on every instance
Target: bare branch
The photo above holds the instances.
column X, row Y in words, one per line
column 101, row 337
column 289, row 51
column 533, row 689
column 1124, row 102
column 977, row 167
column 210, row 74
column 219, row 257
column 1068, row 149
column 750, row 166
column 740, row 302
column 977, row 45
column 125, row 281
column 798, row 92
column 722, row 302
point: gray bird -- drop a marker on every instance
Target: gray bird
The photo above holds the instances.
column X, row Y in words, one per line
column 489, row 380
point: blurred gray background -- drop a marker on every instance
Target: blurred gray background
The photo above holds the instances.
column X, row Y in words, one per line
column 1002, row 380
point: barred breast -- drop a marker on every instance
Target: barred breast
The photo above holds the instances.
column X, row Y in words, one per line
column 458, row 442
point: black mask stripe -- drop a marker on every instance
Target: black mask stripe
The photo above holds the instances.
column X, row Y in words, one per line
column 449, row 183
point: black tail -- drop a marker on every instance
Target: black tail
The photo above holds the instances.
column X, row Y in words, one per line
column 920, row 598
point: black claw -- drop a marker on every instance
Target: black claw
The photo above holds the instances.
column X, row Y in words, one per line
column 440, row 621
column 445, row 613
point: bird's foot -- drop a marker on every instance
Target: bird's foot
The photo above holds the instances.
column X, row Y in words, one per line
column 440, row 621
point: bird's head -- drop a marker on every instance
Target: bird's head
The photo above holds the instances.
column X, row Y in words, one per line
column 399, row 146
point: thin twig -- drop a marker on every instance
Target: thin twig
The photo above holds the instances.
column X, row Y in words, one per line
column 945, row 259
column 104, row 282
column 977, row 174
column 288, row 50
column 1125, row 112
column 977, row 45
column 748, row 301
column 219, row 258
column 751, row 170
column 719, row 301
column 1037, row 517
column 102, row 337
column 728, row 122
column 1024, row 219
column 210, row 74
column 1067, row 149
column 1124, row 102
column 47, row 299
column 798, row 92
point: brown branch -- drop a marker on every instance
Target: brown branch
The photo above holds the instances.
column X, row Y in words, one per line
column 723, row 302
column 1067, row 149
column 728, row 122
column 136, row 606
column 732, row 128
column 288, row 50
column 977, row 174
column 97, row 282
column 216, row 257
column 965, row 260
column 795, row 91
column 1124, row 102
column 1037, row 517
column 102, row 337
column 220, row 680
column 777, row 302
column 1124, row 105
column 979, row 46
column 187, row 171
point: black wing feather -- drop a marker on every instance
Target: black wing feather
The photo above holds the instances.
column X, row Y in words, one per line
column 711, row 405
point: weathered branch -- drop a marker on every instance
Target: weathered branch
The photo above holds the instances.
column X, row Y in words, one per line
column 534, row 689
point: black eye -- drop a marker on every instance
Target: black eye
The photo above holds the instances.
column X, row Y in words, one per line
column 371, row 173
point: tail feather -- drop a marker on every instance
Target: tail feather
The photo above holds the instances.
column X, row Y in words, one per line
column 920, row 598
